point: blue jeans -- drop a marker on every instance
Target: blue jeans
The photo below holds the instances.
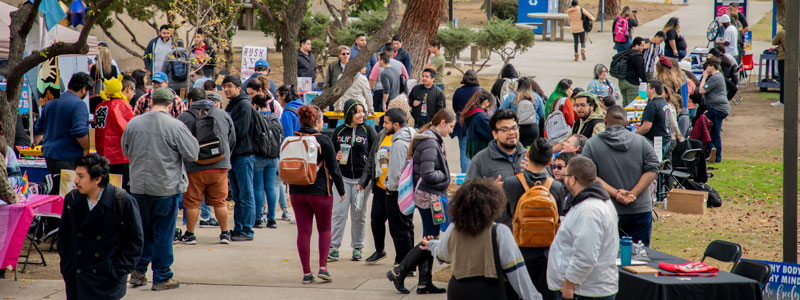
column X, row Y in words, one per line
column 637, row 226
column 462, row 150
column 205, row 211
column 158, row 224
column 623, row 46
column 281, row 188
column 428, row 228
column 441, row 87
column 576, row 297
column 692, row 113
column 241, row 180
column 716, row 118
column 264, row 182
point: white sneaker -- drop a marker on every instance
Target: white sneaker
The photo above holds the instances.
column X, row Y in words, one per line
column 776, row 104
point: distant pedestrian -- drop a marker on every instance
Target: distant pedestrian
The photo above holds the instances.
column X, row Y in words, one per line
column 461, row 96
column 157, row 50
column 401, row 54
column 576, row 13
column 779, row 40
column 676, row 43
column 437, row 63
column 475, row 119
column 306, row 64
column 623, row 29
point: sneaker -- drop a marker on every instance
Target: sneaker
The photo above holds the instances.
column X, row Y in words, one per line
column 333, row 255
column 209, row 223
column 272, row 224
column 357, row 254
column 241, row 238
column 188, row 238
column 375, row 257
column 324, row 274
column 308, row 278
column 138, row 279
column 178, row 234
column 776, row 104
column 286, row 216
column 712, row 156
column 259, row 224
column 167, row 285
column 225, row 237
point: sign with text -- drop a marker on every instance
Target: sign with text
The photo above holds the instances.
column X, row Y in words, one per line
column 533, row 6
column 784, row 283
column 24, row 105
column 721, row 7
column 251, row 54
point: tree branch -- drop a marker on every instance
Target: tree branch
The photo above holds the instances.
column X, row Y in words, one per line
column 121, row 45
column 128, row 29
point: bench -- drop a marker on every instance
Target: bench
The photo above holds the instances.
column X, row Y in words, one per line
column 531, row 26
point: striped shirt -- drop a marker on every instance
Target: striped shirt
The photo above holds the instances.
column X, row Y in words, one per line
column 651, row 56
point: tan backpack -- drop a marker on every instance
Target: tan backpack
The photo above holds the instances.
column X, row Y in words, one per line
column 298, row 163
column 536, row 216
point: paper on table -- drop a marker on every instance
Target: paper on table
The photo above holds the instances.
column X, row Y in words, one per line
column 634, row 262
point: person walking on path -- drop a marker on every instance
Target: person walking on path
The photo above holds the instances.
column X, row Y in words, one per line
column 207, row 182
column 96, row 208
column 461, row 96
column 158, row 146
column 157, row 49
column 352, row 142
column 623, row 29
column 576, row 13
column 315, row 202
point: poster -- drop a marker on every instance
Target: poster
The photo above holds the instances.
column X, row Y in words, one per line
column 24, row 105
column 721, row 7
column 748, row 41
column 251, row 54
column 784, row 283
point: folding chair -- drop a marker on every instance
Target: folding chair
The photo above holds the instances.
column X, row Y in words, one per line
column 747, row 66
column 723, row 251
column 754, row 270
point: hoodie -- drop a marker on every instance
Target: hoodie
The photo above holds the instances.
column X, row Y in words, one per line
column 593, row 125
column 586, row 245
column 289, row 119
column 360, row 140
column 225, row 131
column 477, row 123
column 622, row 157
column 430, row 164
column 397, row 156
column 241, row 112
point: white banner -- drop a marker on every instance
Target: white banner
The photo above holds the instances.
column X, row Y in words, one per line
column 251, row 54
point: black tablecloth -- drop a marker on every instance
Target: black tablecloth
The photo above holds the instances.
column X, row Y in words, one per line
column 648, row 286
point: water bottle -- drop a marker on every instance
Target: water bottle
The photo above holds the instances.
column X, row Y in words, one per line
column 625, row 244
column 643, row 90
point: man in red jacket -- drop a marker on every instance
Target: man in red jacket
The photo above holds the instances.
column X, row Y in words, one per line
column 110, row 119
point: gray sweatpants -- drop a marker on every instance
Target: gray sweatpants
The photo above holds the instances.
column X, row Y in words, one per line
column 358, row 217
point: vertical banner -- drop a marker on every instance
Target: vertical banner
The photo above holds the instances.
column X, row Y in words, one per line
column 721, row 7
column 250, row 54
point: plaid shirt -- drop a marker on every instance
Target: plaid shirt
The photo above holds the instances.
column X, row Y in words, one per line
column 145, row 102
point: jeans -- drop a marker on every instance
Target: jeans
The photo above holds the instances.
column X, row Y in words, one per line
column 265, row 170
column 781, row 67
column 158, row 224
column 241, row 178
column 576, row 297
column 205, row 211
column 622, row 46
column 281, row 191
column 462, row 151
column 358, row 217
column 716, row 118
column 637, row 226
column 692, row 113
column 428, row 228
column 578, row 37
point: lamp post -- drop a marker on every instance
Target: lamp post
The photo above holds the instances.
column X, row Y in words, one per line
column 790, row 133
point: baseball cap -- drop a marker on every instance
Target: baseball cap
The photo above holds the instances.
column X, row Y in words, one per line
column 262, row 63
column 724, row 19
column 163, row 94
column 160, row 77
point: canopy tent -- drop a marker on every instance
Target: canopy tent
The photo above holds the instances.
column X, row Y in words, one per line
column 58, row 34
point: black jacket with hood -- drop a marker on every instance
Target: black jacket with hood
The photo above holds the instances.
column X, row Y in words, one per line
column 361, row 138
column 430, row 165
column 241, row 113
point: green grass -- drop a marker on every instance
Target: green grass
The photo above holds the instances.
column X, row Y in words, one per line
column 762, row 30
column 748, row 181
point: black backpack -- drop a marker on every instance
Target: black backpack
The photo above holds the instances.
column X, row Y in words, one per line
column 714, row 199
column 619, row 64
column 587, row 23
column 267, row 135
column 206, row 130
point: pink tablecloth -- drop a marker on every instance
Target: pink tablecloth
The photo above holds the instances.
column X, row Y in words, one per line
column 15, row 220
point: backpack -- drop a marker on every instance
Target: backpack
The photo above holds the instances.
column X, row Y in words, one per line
column 298, row 163
column 536, row 215
column 621, row 30
column 714, row 200
column 205, row 129
column 619, row 64
column 526, row 112
column 178, row 67
column 587, row 23
column 405, row 188
column 508, row 87
column 267, row 135
column 556, row 125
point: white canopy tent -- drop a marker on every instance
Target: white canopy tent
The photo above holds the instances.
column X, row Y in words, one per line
column 39, row 36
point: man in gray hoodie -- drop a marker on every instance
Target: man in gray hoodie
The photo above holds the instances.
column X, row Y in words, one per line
column 210, row 180
column 626, row 166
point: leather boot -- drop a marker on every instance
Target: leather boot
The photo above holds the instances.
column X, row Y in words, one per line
column 425, row 285
column 583, row 53
column 398, row 274
column 577, row 56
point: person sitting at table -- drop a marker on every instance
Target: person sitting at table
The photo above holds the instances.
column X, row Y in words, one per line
column 100, row 237
column 582, row 260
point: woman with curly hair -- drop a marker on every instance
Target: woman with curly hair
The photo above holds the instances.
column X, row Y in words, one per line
column 469, row 243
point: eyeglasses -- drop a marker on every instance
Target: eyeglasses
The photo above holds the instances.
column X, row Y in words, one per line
column 348, row 53
column 576, row 105
column 557, row 167
column 507, row 129
column 229, row 86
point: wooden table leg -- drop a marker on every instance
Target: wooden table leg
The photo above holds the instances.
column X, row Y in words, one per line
column 553, row 24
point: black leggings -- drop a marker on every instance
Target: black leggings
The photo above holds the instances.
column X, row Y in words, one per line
column 575, row 37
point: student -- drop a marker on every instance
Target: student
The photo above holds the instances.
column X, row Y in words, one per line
column 426, row 99
column 576, row 13
column 111, row 118
column 629, row 86
column 437, row 63
column 475, row 118
column 652, row 54
column 716, row 100
column 242, row 160
column 623, row 29
column 266, row 167
column 503, row 156
column 601, row 86
column 676, row 44
column 461, row 96
column 654, row 119
column 563, row 90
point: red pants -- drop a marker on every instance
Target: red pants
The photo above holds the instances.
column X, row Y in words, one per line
column 306, row 208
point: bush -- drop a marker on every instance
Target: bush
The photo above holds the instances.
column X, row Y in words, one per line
column 497, row 34
column 505, row 10
column 455, row 39
column 315, row 26
column 368, row 24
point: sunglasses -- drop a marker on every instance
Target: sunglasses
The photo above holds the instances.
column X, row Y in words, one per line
column 557, row 167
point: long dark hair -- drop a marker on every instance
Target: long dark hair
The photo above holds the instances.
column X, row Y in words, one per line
column 289, row 92
column 475, row 101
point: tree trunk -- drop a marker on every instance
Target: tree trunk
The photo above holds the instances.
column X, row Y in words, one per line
column 289, row 31
column 331, row 94
column 780, row 7
column 419, row 27
column 613, row 8
column 563, row 5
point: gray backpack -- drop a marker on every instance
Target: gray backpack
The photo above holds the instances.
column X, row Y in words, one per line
column 526, row 112
column 556, row 125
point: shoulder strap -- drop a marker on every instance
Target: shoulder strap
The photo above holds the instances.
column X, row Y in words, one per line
column 548, row 182
column 560, row 104
column 119, row 198
column 497, row 265
column 523, row 181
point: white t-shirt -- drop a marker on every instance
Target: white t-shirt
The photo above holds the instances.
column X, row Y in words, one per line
column 732, row 36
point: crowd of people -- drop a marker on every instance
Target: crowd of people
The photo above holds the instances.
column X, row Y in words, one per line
column 573, row 152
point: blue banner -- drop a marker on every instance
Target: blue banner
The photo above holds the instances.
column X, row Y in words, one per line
column 784, row 283
column 24, row 105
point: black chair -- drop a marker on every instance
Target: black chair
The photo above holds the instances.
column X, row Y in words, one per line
column 674, row 177
column 754, row 270
column 723, row 251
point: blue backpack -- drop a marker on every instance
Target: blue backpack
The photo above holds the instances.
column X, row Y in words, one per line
column 178, row 67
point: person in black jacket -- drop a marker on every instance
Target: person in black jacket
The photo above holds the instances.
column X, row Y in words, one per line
column 425, row 99
column 508, row 72
column 431, row 179
column 100, row 237
column 352, row 142
column 629, row 86
column 242, row 160
column 540, row 156
column 314, row 202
